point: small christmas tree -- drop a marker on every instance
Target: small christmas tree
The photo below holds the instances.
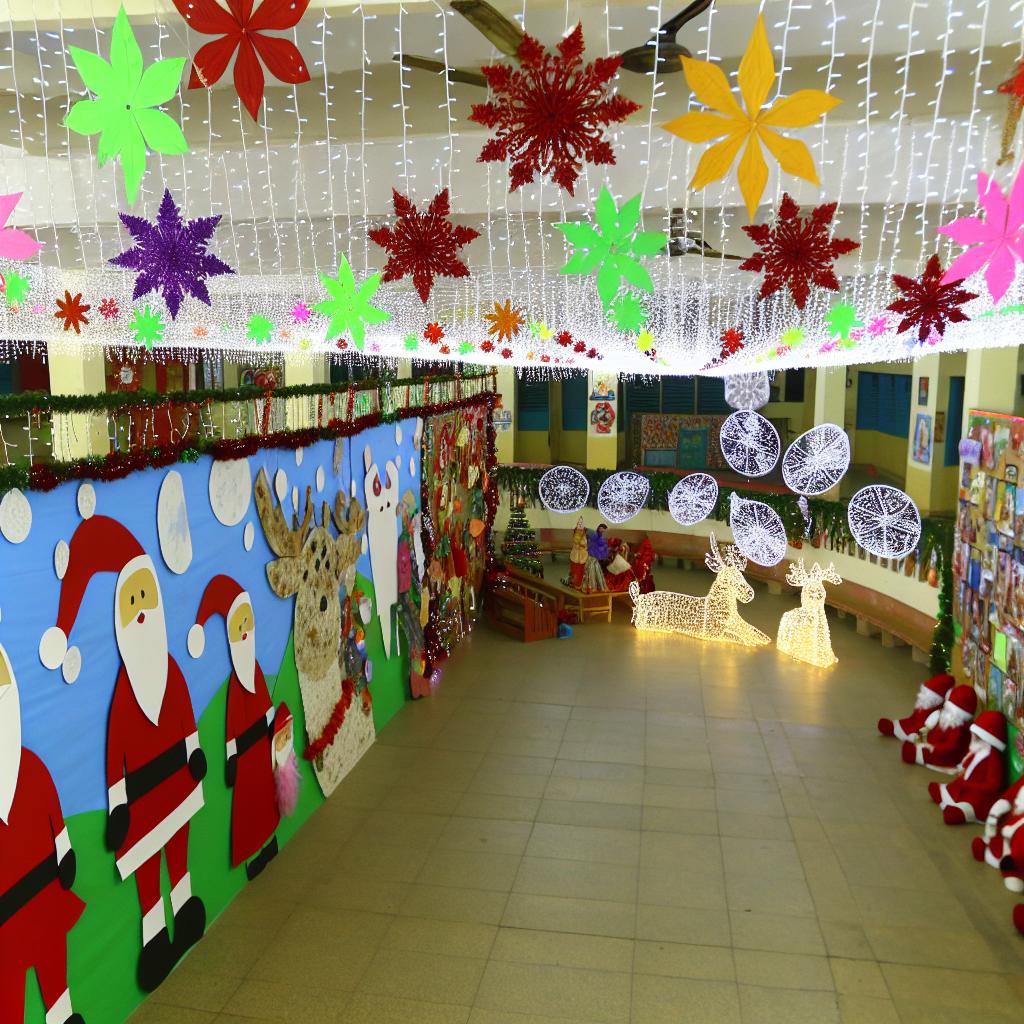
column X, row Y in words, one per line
column 519, row 545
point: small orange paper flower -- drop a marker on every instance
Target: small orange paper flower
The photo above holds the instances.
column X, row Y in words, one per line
column 748, row 128
column 505, row 321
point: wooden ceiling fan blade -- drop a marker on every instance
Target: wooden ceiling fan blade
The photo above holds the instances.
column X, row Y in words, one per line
column 694, row 10
column 457, row 75
column 505, row 34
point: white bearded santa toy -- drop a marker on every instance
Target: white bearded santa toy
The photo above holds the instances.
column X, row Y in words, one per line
column 930, row 697
column 37, row 870
column 249, row 764
column 1003, row 845
column 948, row 735
column 970, row 796
column 154, row 763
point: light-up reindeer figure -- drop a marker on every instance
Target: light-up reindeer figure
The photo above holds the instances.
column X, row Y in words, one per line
column 803, row 631
column 714, row 617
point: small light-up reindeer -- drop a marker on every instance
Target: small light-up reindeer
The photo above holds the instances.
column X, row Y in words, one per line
column 714, row 617
column 803, row 631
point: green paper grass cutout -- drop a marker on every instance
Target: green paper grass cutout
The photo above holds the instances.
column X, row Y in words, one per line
column 259, row 329
column 841, row 319
column 612, row 252
column 627, row 313
column 17, row 288
column 124, row 111
column 349, row 306
column 411, row 343
column 148, row 327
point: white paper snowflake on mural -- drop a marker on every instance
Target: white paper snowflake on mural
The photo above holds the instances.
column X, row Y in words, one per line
column 749, row 443
column 15, row 516
column 622, row 495
column 884, row 521
column 757, row 530
column 563, row 489
column 693, row 499
column 817, row 460
column 747, row 390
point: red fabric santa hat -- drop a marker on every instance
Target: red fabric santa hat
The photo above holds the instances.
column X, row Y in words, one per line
column 220, row 597
column 100, row 544
column 940, row 685
column 964, row 698
column 990, row 726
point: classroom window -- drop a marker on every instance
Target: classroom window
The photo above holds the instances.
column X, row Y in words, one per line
column 954, row 417
column 793, row 386
column 574, row 402
column 532, row 404
column 883, row 402
column 642, row 396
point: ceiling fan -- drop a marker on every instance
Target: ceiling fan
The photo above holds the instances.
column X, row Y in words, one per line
column 661, row 53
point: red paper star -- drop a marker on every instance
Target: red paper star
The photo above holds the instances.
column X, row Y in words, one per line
column 797, row 252
column 423, row 245
column 433, row 333
column 928, row 303
column 732, row 342
column 580, row 346
column 564, row 339
column 550, row 112
column 486, row 346
column 506, row 353
column 72, row 311
column 242, row 29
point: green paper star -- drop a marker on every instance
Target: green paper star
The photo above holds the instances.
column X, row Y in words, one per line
column 465, row 348
column 611, row 252
column 124, row 111
column 349, row 307
column 540, row 330
column 627, row 313
column 17, row 288
column 148, row 327
column 841, row 319
column 259, row 329
column 411, row 342
column 793, row 337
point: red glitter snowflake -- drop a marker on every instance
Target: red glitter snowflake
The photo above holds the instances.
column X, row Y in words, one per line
column 550, row 112
column 71, row 310
column 592, row 353
column 423, row 245
column 109, row 309
column 506, row 353
column 433, row 333
column 579, row 347
column 486, row 346
column 445, row 350
column 732, row 342
column 564, row 339
column 797, row 251
column 928, row 303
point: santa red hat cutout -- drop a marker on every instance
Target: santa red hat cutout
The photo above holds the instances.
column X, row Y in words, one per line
column 970, row 796
column 948, row 735
column 930, row 697
column 1003, row 845
column 37, row 870
column 249, row 766
column 154, row 763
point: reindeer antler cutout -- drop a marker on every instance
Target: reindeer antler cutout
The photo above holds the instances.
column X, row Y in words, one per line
column 284, row 540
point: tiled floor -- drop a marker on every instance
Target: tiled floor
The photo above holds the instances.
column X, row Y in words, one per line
column 624, row 827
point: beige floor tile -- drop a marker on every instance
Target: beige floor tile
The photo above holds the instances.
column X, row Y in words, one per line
column 563, row 949
column 572, row 842
column 585, row 917
column 846, row 940
column 489, row 805
column 971, row 991
column 367, row 858
column 453, row 938
column 769, row 859
column 661, row 1000
column 931, row 948
column 441, row 903
column 670, row 819
column 590, row 815
column 160, row 1013
column 192, row 988
column 682, row 924
column 776, row 933
column 854, row 1009
column 858, row 978
column 678, row 960
column 787, row 1006
column 681, row 886
column 479, row 1015
column 291, row 999
column 753, row 826
column 473, row 869
column 371, row 1008
column 484, row 834
column 783, row 970
column 544, row 876
column 769, row 896
column 431, row 977
column 499, row 783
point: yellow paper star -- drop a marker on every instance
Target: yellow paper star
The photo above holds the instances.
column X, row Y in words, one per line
column 645, row 340
column 750, row 127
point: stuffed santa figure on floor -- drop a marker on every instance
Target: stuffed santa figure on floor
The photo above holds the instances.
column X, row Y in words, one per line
column 946, row 741
column 970, row 796
column 1003, row 844
column 930, row 697
column 37, row 870
column 154, row 763
column 249, row 767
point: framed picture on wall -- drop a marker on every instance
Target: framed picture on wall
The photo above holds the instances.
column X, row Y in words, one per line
column 921, row 450
column 922, row 390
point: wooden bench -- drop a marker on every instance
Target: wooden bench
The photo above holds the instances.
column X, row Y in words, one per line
column 596, row 605
column 521, row 610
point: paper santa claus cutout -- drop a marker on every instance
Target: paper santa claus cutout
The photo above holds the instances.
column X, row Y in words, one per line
column 948, row 734
column 37, row 871
column 286, row 768
column 249, row 768
column 930, row 698
column 154, row 763
column 970, row 796
column 1003, row 845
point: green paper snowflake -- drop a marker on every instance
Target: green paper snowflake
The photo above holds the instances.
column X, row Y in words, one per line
column 259, row 329
column 793, row 337
column 411, row 343
column 627, row 313
column 348, row 306
column 645, row 341
column 17, row 288
column 465, row 348
column 612, row 252
column 125, row 109
column 841, row 319
column 147, row 327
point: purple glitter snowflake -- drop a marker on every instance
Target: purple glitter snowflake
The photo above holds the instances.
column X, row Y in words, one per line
column 171, row 255
column 300, row 313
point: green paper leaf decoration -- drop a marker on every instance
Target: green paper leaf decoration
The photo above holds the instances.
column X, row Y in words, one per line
column 841, row 319
column 348, row 306
column 147, row 327
column 124, row 112
column 259, row 329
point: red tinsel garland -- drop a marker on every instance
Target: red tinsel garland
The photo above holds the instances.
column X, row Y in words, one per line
column 334, row 723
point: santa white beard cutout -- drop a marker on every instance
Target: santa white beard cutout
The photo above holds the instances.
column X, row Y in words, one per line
column 243, row 659
column 926, row 699
column 10, row 740
column 142, row 644
column 951, row 716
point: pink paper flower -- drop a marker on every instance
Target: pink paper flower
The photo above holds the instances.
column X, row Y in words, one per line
column 878, row 326
column 14, row 243
column 300, row 313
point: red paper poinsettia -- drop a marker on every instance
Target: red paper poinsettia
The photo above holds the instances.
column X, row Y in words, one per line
column 797, row 252
column 564, row 339
column 928, row 304
column 243, row 29
column 732, row 342
column 550, row 112
column 433, row 333
column 423, row 245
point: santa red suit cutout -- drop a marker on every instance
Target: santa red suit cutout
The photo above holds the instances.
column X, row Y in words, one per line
column 37, row 870
column 250, row 716
column 154, row 763
column 930, row 697
column 1003, row 845
column 948, row 734
column 970, row 796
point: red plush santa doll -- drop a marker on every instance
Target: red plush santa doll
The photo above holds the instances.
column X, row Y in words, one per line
column 37, row 870
column 946, row 741
column 154, row 762
column 250, row 717
column 970, row 796
column 1004, row 837
column 930, row 697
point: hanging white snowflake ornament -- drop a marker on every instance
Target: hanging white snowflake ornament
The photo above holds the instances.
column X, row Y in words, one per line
column 749, row 443
column 622, row 495
column 817, row 460
column 563, row 489
column 884, row 521
column 747, row 390
column 757, row 530
column 693, row 499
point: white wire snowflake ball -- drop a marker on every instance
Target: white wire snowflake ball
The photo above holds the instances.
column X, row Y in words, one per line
column 757, row 530
column 749, row 443
column 884, row 521
column 747, row 390
column 693, row 499
column 817, row 460
column 563, row 489
column 622, row 495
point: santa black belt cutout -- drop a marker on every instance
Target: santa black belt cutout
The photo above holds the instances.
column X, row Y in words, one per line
column 30, row 885
column 147, row 777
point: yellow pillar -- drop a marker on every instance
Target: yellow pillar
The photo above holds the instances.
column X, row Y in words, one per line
column 505, row 416
column 991, row 383
column 303, row 369
column 78, row 371
column 830, row 405
column 603, row 449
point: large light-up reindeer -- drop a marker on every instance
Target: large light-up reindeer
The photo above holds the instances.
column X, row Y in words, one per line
column 803, row 631
column 714, row 617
